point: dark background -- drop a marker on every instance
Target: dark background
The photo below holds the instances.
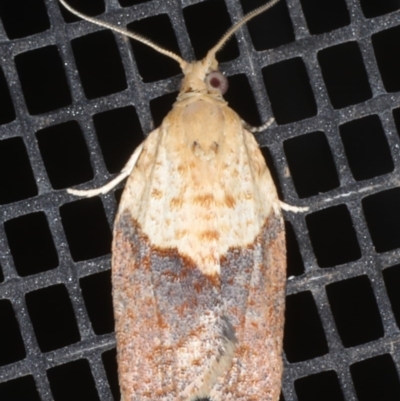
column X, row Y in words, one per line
column 75, row 100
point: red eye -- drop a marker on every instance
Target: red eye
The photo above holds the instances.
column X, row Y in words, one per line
column 217, row 81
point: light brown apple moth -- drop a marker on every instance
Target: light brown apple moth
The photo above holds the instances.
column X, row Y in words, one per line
column 199, row 260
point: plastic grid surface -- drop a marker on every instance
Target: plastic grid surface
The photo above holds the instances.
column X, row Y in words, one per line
column 76, row 100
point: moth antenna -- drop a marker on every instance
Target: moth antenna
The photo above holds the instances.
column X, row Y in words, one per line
column 211, row 54
column 125, row 32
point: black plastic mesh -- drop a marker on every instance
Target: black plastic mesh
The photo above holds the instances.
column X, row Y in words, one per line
column 75, row 100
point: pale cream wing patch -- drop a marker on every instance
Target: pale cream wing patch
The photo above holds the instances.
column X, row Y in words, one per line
column 201, row 192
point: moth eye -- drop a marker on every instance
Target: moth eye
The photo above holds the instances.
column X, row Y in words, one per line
column 218, row 81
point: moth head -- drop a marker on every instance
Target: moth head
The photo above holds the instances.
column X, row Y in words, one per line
column 203, row 79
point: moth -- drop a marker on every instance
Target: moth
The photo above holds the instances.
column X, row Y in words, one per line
column 198, row 255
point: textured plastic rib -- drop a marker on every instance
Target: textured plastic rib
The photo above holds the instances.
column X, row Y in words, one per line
column 76, row 100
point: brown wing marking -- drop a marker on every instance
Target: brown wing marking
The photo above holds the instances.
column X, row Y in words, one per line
column 253, row 287
column 173, row 338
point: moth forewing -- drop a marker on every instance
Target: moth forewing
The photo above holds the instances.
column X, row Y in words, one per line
column 198, row 264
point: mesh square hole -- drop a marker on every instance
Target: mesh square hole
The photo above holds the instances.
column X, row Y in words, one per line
column 86, row 227
column 16, row 177
column 375, row 8
column 43, row 80
column 385, row 45
column 21, row 389
column 304, row 335
column 152, row 65
column 52, row 317
column 344, row 74
column 206, row 22
column 333, row 237
column 382, row 214
column 322, row 386
column 65, row 154
column 128, row 3
column 325, row 16
column 295, row 265
column 270, row 29
column 376, row 379
column 12, row 347
column 119, row 133
column 99, row 64
column 355, row 311
column 31, row 244
column 7, row 108
column 289, row 90
column 366, row 147
column 311, row 164
column 19, row 24
column 73, row 381
column 391, row 277
column 396, row 116
column 240, row 97
column 96, row 291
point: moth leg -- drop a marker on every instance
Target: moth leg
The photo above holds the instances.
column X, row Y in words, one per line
column 125, row 172
column 260, row 128
column 295, row 209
